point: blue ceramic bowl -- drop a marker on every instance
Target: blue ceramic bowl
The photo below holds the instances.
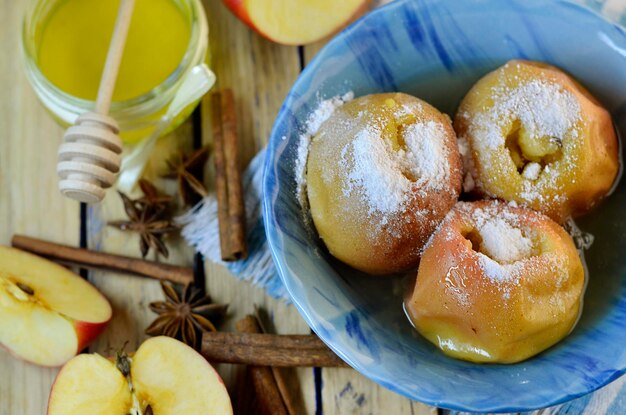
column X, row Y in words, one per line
column 435, row 50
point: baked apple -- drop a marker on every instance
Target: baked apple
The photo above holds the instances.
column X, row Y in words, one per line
column 497, row 283
column 382, row 172
column 536, row 136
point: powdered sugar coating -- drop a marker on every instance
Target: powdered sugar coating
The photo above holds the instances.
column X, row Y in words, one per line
column 504, row 239
column 376, row 173
column 507, row 250
column 543, row 109
column 323, row 111
column 529, row 133
column 387, row 176
column 531, row 171
column 382, row 172
column 496, row 283
column 427, row 154
column 468, row 164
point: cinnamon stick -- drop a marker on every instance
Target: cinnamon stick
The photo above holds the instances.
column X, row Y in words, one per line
column 293, row 350
column 281, row 382
column 230, row 201
column 99, row 260
column 267, row 392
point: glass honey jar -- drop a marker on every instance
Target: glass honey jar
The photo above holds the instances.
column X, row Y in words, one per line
column 65, row 42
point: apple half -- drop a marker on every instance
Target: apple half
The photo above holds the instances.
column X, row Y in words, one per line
column 296, row 22
column 47, row 313
column 164, row 377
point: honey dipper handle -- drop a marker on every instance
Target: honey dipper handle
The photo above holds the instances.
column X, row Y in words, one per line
column 89, row 158
column 114, row 57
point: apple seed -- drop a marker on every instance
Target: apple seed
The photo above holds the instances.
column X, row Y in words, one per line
column 25, row 288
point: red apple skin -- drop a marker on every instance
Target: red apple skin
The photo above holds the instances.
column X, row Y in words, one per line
column 239, row 10
column 86, row 332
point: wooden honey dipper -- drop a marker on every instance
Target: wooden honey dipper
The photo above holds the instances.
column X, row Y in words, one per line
column 90, row 156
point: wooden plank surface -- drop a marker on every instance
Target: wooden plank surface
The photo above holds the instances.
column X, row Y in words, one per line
column 130, row 295
column 29, row 201
column 260, row 74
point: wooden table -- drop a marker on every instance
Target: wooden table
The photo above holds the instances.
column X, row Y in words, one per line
column 260, row 73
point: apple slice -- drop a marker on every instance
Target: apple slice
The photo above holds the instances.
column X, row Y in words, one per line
column 47, row 313
column 174, row 379
column 166, row 375
column 296, row 22
column 90, row 384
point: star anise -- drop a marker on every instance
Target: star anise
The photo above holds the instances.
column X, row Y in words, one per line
column 188, row 171
column 152, row 197
column 185, row 314
column 147, row 220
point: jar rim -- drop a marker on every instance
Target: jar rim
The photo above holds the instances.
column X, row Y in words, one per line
column 198, row 39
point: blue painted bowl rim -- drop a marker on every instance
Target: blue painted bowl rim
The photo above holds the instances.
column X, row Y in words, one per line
column 276, row 245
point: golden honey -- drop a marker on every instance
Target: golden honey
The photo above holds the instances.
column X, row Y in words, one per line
column 65, row 43
column 74, row 40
